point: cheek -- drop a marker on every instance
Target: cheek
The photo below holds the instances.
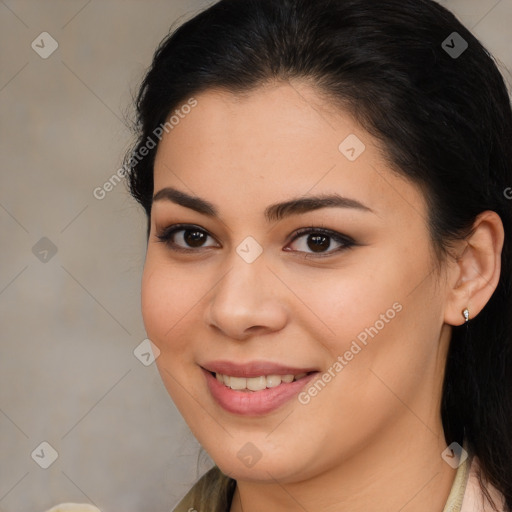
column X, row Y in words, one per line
column 340, row 304
column 373, row 316
column 154, row 303
column 167, row 301
column 168, row 307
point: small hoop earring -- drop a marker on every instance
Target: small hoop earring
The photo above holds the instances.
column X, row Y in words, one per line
column 465, row 314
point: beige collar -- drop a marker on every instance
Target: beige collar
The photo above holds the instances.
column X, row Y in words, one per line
column 456, row 496
column 466, row 494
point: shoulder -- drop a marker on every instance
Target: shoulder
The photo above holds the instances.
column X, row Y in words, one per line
column 213, row 492
column 475, row 500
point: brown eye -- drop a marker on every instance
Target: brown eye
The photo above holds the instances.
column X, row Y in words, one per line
column 194, row 238
column 183, row 237
column 319, row 241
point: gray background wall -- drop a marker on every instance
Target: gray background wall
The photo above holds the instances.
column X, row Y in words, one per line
column 70, row 321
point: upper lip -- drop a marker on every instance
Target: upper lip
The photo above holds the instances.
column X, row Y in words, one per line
column 253, row 368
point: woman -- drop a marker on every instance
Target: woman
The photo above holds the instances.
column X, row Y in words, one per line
column 384, row 131
column 328, row 267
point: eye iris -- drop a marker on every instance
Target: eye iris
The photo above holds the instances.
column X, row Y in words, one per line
column 318, row 242
column 194, row 238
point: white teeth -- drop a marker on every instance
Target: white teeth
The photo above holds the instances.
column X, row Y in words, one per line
column 237, row 382
column 256, row 383
column 273, row 381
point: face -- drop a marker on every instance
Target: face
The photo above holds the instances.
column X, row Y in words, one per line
column 315, row 311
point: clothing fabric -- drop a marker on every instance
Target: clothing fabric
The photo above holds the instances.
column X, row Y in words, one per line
column 474, row 499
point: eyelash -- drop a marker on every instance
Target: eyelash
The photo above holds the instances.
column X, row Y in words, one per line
column 346, row 242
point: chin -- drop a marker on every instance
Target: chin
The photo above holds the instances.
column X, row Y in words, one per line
column 248, row 462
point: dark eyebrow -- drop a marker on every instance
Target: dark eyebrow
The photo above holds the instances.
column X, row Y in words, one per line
column 273, row 212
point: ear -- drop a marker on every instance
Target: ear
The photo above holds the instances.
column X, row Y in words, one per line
column 475, row 273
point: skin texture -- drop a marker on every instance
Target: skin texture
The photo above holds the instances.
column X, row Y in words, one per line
column 374, row 433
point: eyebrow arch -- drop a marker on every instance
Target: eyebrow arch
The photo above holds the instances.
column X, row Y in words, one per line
column 274, row 212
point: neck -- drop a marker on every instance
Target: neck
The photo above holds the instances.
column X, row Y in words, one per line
column 401, row 471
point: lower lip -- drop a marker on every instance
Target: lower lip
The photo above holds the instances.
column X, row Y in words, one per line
column 254, row 403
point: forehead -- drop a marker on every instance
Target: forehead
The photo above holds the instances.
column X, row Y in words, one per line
column 278, row 141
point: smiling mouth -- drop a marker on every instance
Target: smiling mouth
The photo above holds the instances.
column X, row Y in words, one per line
column 253, row 384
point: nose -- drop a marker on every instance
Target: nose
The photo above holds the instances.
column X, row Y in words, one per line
column 244, row 303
